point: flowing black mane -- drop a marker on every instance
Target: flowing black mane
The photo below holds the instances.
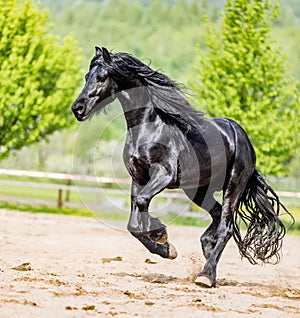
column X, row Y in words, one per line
column 166, row 95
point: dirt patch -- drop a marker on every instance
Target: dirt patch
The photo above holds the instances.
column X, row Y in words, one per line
column 80, row 267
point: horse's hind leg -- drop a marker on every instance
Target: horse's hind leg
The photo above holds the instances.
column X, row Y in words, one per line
column 204, row 199
column 209, row 237
column 231, row 197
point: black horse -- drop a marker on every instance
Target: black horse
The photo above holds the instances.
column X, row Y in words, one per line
column 171, row 145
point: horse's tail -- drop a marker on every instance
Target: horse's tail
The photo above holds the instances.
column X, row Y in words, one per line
column 260, row 210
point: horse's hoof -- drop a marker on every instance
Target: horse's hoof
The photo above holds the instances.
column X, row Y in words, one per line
column 163, row 239
column 204, row 281
column 159, row 236
column 172, row 251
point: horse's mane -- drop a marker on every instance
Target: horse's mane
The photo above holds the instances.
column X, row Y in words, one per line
column 166, row 95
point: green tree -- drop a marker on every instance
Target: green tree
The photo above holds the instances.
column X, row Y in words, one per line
column 39, row 76
column 243, row 75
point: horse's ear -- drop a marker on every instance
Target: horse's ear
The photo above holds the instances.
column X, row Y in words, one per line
column 106, row 55
column 98, row 50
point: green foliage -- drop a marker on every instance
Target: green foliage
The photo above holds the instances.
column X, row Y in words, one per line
column 164, row 31
column 39, row 76
column 295, row 165
column 147, row 29
column 243, row 75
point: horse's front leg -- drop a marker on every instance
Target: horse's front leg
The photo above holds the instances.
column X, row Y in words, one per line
column 148, row 230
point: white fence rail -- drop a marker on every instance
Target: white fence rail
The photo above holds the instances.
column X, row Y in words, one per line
column 170, row 196
column 61, row 176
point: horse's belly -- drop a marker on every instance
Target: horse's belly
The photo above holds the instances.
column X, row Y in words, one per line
column 203, row 174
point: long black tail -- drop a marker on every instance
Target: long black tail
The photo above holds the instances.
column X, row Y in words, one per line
column 260, row 210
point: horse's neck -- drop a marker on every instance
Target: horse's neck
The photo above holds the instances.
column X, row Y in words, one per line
column 137, row 107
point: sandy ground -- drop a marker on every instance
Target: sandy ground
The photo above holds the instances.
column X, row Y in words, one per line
column 82, row 268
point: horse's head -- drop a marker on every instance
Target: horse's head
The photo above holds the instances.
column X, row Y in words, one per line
column 99, row 90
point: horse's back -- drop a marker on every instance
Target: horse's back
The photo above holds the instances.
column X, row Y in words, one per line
column 237, row 139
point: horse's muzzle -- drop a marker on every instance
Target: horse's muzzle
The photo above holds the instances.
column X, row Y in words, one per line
column 78, row 110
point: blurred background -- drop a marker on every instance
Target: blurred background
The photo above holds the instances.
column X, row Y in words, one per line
column 166, row 33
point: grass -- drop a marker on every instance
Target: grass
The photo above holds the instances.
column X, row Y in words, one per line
column 62, row 211
column 170, row 218
column 295, row 228
column 42, row 192
column 38, row 192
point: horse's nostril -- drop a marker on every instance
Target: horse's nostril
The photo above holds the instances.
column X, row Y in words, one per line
column 79, row 109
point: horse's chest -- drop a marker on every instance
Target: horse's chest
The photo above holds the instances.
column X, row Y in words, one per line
column 140, row 157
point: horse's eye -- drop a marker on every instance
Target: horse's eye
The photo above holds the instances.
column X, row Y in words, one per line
column 100, row 78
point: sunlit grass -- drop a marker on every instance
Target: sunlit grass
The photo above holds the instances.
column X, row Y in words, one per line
column 170, row 218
